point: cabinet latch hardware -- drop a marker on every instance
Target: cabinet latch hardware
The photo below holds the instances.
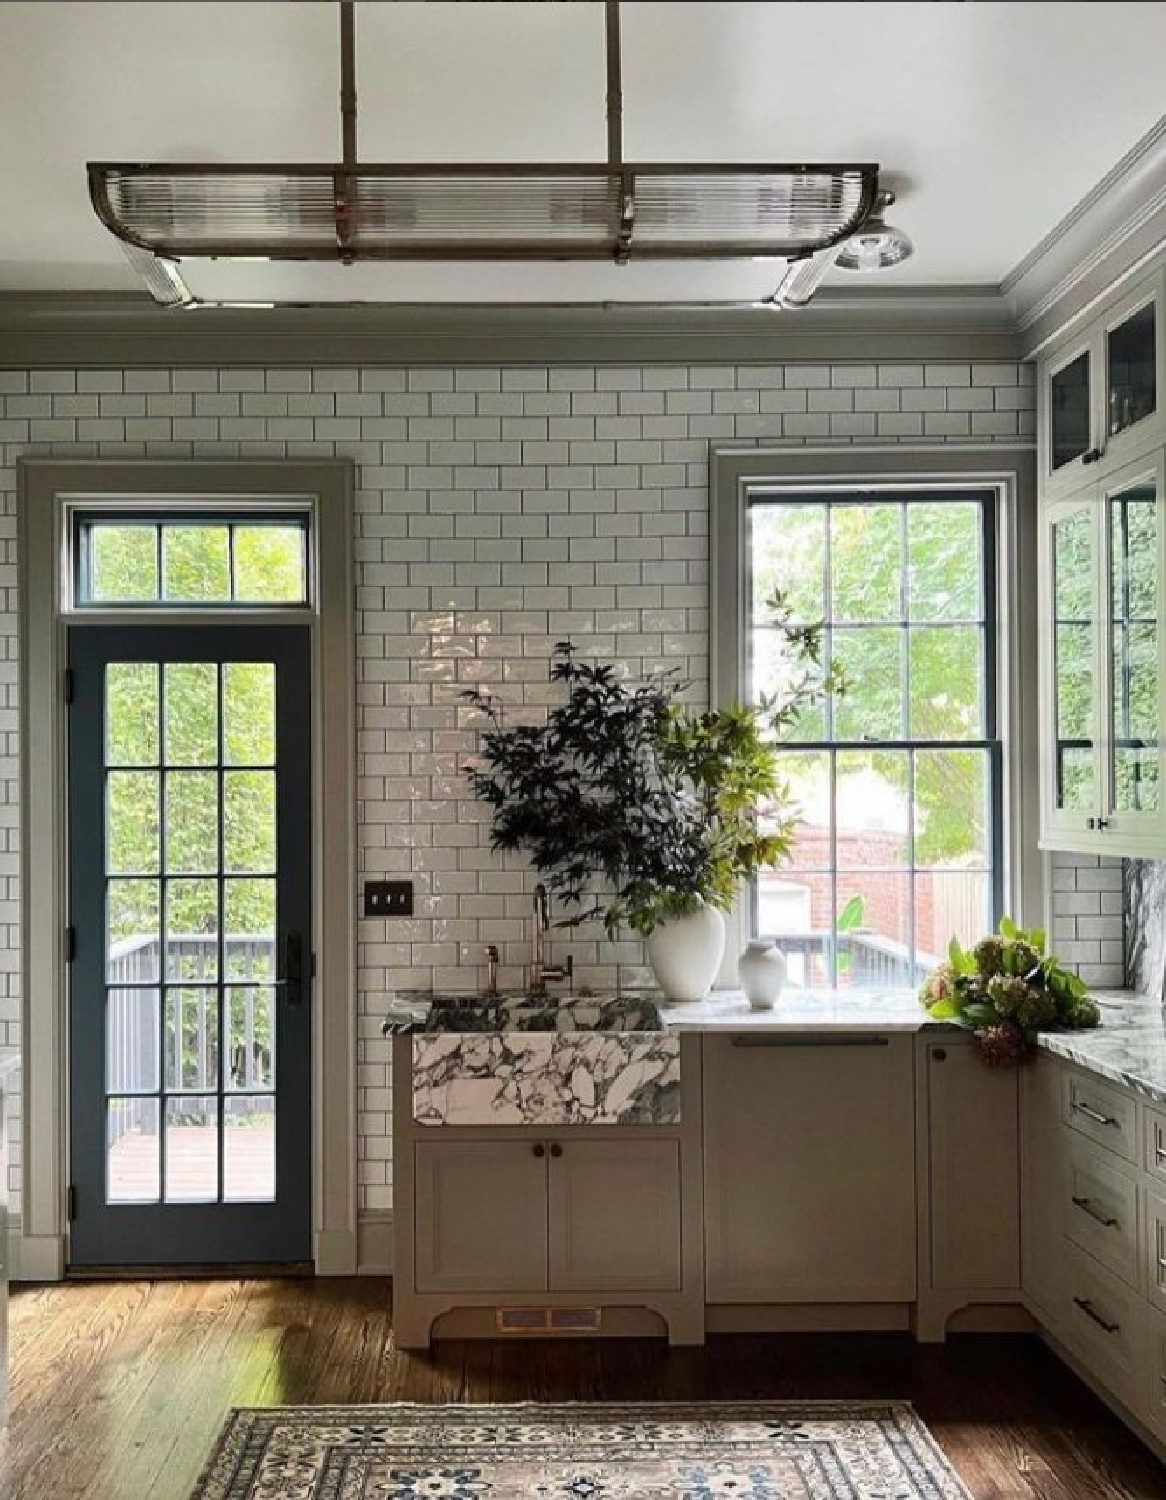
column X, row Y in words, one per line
column 1091, row 456
column 538, row 1149
column 71, row 1203
column 1091, row 1312
column 556, row 1150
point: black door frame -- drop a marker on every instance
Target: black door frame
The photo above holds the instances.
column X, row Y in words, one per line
column 188, row 1233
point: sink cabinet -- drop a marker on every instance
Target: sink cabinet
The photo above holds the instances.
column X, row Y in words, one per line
column 561, row 1215
column 809, row 1169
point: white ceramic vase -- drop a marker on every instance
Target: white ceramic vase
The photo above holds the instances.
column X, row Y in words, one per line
column 686, row 952
column 761, row 970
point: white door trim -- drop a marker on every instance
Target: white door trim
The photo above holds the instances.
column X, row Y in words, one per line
column 45, row 489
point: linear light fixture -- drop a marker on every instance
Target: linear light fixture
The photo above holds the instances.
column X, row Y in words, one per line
column 350, row 210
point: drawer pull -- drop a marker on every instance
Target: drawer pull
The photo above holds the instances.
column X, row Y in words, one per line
column 1091, row 1312
column 1159, row 1155
column 1092, row 1114
column 1087, row 1208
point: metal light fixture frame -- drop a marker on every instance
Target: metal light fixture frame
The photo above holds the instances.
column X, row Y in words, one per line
column 350, row 211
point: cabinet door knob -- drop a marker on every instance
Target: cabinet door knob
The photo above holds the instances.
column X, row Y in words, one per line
column 556, row 1149
column 539, row 1150
column 939, row 1054
column 1091, row 456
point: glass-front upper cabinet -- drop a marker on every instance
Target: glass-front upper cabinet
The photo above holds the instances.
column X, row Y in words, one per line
column 1132, row 518
column 1100, row 405
column 1072, row 738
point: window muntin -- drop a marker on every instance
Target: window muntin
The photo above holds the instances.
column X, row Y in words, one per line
column 898, row 845
column 128, row 561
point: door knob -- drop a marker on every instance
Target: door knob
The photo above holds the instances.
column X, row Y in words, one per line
column 556, row 1149
column 539, row 1150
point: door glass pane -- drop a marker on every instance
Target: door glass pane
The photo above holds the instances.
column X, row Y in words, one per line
column 1069, row 411
column 133, row 1161
column 192, row 927
column 251, row 1021
column 196, row 564
column 192, row 822
column 192, row 1039
column 249, row 821
column 192, row 1150
column 1130, row 361
column 192, row 714
column 250, row 934
column 1135, row 731
column 122, row 564
column 269, row 564
column 132, row 832
column 249, row 713
column 133, row 925
column 1073, row 666
column 132, row 1045
column 131, row 713
column 249, row 1150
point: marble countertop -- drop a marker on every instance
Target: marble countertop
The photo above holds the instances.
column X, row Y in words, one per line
column 801, row 1010
column 1129, row 1047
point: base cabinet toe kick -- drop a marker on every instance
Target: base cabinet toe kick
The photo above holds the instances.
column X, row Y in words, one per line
column 794, row 1181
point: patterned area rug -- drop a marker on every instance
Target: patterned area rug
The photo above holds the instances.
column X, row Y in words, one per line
column 699, row 1451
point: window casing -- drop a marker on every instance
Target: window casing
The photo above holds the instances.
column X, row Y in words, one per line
column 901, row 779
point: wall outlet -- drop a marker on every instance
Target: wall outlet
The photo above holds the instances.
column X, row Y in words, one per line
column 388, row 898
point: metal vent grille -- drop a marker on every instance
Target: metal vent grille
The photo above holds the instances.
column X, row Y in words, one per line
column 481, row 212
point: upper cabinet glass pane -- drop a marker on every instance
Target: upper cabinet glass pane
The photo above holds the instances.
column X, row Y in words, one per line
column 1134, row 726
column 1069, row 411
column 1074, row 662
column 191, row 562
column 1131, row 393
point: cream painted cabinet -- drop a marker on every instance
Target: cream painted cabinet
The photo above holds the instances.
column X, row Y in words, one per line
column 481, row 1216
column 614, row 1216
column 973, row 1172
column 809, row 1169
column 1043, row 1171
column 558, row 1215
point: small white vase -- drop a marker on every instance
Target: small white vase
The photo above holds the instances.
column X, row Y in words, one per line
column 686, row 952
column 761, row 969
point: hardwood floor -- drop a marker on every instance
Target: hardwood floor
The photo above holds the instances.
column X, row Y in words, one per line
column 119, row 1388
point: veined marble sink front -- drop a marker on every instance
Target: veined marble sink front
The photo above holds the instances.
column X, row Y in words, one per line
column 568, row 1060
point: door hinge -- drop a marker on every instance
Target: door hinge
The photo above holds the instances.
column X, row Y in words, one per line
column 71, row 1203
column 70, row 944
column 69, row 685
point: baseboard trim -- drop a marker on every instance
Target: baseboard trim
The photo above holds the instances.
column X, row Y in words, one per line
column 35, row 1257
column 335, row 1252
column 857, row 1317
column 374, row 1244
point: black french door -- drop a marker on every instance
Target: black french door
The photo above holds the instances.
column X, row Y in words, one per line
column 190, row 981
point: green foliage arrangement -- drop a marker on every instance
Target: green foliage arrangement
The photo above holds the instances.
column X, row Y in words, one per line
column 1006, row 989
column 626, row 790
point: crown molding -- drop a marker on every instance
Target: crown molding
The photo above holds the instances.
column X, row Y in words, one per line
column 70, row 330
column 1107, row 239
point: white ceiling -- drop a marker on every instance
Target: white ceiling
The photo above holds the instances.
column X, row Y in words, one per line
column 992, row 119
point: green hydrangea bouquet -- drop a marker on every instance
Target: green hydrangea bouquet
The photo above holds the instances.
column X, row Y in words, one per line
column 1006, row 989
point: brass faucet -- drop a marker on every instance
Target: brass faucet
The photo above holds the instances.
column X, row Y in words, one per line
column 540, row 971
column 492, row 970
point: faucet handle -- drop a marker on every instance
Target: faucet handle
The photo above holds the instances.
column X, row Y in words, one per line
column 492, row 961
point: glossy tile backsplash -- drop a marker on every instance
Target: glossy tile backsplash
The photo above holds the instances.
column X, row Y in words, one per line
column 498, row 510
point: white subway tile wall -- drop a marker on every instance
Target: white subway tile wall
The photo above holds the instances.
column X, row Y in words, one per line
column 1087, row 930
column 498, row 510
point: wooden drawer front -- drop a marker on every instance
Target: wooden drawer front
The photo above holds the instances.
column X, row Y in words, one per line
column 1100, row 1210
column 1155, row 1240
column 1101, row 1112
column 1156, row 1145
column 1103, row 1322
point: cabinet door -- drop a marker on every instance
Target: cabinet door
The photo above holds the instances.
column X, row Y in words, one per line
column 1067, row 417
column 809, row 1169
column 481, row 1216
column 1132, row 732
column 614, row 1216
column 1042, row 1187
column 974, row 1178
column 1130, row 353
column 1071, row 676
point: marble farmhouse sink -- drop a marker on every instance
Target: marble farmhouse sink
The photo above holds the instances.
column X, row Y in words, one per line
column 566, row 1060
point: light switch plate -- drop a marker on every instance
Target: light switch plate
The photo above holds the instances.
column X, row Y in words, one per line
column 388, row 898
